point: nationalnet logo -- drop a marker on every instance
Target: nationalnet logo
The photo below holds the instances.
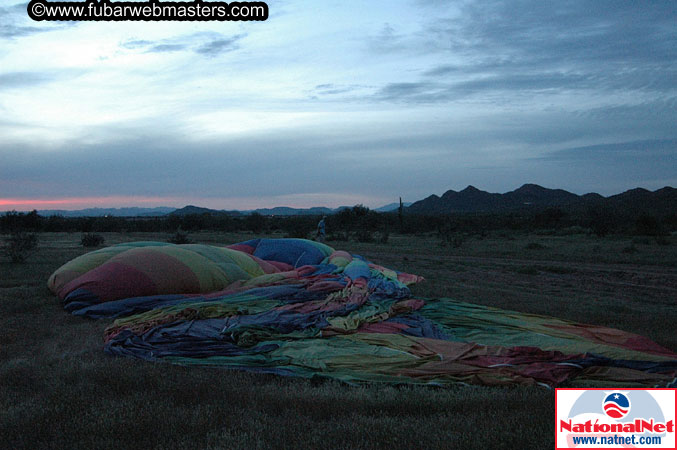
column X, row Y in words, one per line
column 616, row 405
column 615, row 418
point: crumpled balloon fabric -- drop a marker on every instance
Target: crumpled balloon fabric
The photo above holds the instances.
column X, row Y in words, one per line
column 300, row 308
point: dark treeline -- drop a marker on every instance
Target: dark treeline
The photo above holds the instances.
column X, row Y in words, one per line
column 358, row 222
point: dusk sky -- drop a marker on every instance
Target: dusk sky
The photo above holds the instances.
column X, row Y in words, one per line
column 338, row 103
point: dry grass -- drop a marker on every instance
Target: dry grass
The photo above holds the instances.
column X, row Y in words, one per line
column 58, row 389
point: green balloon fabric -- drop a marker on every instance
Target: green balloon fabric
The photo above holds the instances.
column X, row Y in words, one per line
column 300, row 308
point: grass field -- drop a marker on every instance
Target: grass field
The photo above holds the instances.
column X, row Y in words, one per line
column 59, row 390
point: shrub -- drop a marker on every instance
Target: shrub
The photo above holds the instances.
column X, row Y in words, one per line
column 180, row 237
column 575, row 229
column 508, row 236
column 630, row 249
column 19, row 245
column 450, row 236
column 364, row 236
column 662, row 240
column 297, row 229
column 338, row 236
column 647, row 225
column 600, row 222
column 527, row 270
column 456, row 240
column 92, row 240
column 255, row 222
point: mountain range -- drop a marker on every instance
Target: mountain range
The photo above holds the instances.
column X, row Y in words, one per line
column 533, row 196
column 277, row 211
column 100, row 212
column 469, row 200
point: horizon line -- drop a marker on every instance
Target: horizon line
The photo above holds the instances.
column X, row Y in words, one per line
column 245, row 204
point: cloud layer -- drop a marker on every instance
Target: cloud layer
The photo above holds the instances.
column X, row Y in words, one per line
column 324, row 105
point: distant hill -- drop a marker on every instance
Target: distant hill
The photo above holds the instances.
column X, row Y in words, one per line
column 530, row 196
column 391, row 207
column 187, row 210
column 533, row 194
column 100, row 212
column 192, row 209
column 469, row 200
column 277, row 211
column 642, row 200
column 287, row 211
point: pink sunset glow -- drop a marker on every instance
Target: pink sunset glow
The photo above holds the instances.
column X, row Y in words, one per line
column 241, row 203
column 22, row 204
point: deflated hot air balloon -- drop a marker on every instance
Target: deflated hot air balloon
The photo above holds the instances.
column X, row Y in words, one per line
column 300, row 308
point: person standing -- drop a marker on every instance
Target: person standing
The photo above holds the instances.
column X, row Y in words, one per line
column 321, row 231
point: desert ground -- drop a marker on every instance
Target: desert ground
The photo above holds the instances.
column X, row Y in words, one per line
column 59, row 390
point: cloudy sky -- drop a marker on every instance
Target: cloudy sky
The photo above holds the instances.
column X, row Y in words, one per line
column 338, row 103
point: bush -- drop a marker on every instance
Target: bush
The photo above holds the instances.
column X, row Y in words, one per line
column 600, row 222
column 19, row 245
column 180, row 237
column 451, row 233
column 647, row 225
column 296, row 229
column 91, row 240
column 338, row 236
column 575, row 229
column 255, row 222
column 630, row 249
column 662, row 240
column 527, row 270
column 364, row 236
column 449, row 237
